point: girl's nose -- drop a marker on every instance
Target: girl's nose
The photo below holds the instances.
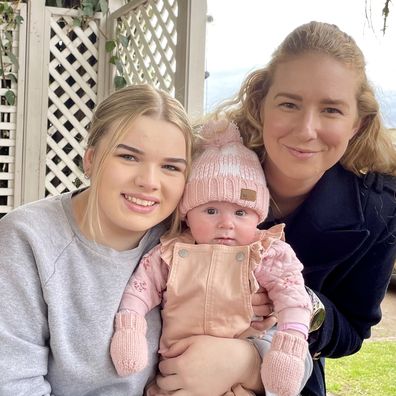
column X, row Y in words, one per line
column 147, row 178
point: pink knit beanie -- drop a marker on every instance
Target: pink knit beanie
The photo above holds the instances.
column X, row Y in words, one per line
column 225, row 170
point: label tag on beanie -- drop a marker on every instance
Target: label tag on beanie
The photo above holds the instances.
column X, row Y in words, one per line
column 248, row 195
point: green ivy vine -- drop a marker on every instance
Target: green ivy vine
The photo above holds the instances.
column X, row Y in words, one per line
column 9, row 21
column 87, row 10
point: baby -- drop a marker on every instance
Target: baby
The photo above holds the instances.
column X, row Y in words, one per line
column 205, row 277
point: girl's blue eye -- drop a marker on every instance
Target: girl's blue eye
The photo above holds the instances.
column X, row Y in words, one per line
column 172, row 168
column 128, row 157
column 240, row 212
column 211, row 211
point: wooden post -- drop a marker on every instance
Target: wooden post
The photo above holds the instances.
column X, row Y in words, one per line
column 190, row 55
column 33, row 169
column 108, row 70
column 20, row 110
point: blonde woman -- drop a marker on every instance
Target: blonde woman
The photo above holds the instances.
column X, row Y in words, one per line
column 312, row 117
column 65, row 260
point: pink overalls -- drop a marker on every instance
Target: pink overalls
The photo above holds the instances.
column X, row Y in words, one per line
column 207, row 289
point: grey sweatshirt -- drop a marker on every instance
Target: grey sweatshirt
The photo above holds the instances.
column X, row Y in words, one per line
column 59, row 293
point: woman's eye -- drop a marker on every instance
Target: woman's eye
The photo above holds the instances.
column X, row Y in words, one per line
column 332, row 110
column 240, row 212
column 288, row 105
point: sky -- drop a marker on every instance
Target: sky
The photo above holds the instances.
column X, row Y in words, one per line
column 244, row 34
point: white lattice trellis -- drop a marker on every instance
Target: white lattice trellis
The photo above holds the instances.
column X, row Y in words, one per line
column 9, row 141
column 150, row 28
column 72, row 95
column 64, row 73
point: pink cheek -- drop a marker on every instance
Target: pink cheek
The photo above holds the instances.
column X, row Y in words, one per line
column 334, row 139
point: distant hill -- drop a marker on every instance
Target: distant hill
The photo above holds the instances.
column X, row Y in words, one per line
column 222, row 85
column 387, row 101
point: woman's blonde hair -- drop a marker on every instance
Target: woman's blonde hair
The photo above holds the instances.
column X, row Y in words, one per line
column 370, row 149
column 114, row 115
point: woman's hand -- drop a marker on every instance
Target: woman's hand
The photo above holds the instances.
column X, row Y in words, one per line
column 262, row 307
column 204, row 365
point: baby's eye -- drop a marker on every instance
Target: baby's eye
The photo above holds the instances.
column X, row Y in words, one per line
column 240, row 212
column 211, row 211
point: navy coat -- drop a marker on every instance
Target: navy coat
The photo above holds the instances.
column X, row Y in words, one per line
column 344, row 233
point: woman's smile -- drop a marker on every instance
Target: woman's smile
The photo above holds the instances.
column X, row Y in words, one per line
column 301, row 153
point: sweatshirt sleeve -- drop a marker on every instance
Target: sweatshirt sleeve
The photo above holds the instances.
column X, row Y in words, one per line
column 280, row 274
column 144, row 290
column 24, row 334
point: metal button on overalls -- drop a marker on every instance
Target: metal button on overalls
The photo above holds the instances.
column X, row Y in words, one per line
column 183, row 253
column 240, row 256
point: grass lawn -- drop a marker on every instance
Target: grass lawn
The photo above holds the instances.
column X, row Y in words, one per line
column 370, row 372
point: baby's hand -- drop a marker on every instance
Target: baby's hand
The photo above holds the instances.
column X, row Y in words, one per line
column 128, row 347
column 283, row 366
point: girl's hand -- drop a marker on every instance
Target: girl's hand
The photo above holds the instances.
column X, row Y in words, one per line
column 204, row 365
column 262, row 307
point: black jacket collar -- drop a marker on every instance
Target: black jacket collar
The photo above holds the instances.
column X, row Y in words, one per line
column 329, row 226
column 335, row 203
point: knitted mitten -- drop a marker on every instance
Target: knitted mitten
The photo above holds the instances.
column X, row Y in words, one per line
column 128, row 347
column 283, row 366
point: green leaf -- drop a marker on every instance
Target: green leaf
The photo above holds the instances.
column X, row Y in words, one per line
column 123, row 40
column 10, row 97
column 119, row 66
column 76, row 22
column 113, row 60
column 8, row 10
column 110, row 45
column 88, row 3
column 119, row 82
column 1, row 8
column 18, row 20
column 104, row 7
column 13, row 59
column 12, row 77
column 88, row 10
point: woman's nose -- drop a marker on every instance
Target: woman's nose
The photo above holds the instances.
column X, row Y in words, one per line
column 147, row 178
column 307, row 126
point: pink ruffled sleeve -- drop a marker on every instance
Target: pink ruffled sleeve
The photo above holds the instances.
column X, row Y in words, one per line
column 144, row 290
column 280, row 274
